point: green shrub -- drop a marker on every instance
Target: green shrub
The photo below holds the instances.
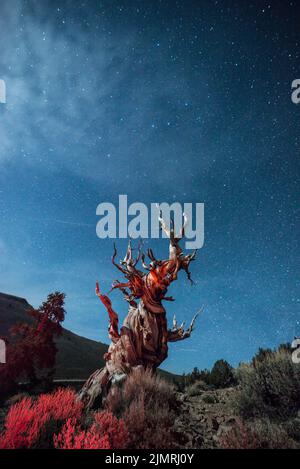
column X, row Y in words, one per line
column 260, row 434
column 193, row 377
column 221, row 374
column 270, row 386
column 196, row 388
column 292, row 428
column 209, row 399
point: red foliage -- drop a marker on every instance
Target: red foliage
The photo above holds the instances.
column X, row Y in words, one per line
column 26, row 421
column 115, row 429
column 32, row 346
column 73, row 437
column 31, row 421
column 107, row 432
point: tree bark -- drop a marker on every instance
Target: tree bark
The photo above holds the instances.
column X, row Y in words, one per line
column 144, row 336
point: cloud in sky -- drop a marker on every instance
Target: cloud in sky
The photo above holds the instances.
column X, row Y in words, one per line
column 52, row 105
column 72, row 100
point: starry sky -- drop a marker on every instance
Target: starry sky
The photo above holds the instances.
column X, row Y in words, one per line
column 163, row 101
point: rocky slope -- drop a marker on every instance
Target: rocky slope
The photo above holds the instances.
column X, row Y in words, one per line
column 204, row 418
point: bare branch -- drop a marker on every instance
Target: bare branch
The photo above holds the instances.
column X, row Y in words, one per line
column 174, row 322
column 182, row 230
column 146, row 267
column 178, row 333
column 114, row 263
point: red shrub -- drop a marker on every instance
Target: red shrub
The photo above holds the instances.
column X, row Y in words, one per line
column 73, row 437
column 32, row 423
column 26, row 421
column 107, row 424
column 61, row 404
column 107, row 432
column 20, row 426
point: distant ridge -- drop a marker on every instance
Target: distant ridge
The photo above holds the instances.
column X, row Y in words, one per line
column 77, row 356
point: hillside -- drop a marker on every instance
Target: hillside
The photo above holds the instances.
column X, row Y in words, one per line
column 77, row 356
column 205, row 417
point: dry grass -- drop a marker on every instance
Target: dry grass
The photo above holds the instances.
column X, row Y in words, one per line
column 147, row 404
column 259, row 434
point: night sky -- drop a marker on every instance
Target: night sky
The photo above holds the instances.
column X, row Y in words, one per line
column 163, row 101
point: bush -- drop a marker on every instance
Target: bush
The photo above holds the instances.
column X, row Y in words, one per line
column 193, row 377
column 57, row 420
column 30, row 423
column 292, row 427
column 107, row 432
column 196, row 389
column 209, row 399
column 72, row 436
column 221, row 374
column 148, row 405
column 260, row 434
column 270, row 386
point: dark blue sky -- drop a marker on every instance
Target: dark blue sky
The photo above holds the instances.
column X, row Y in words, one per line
column 163, row 101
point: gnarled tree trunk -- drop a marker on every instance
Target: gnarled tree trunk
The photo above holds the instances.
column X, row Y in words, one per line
column 144, row 336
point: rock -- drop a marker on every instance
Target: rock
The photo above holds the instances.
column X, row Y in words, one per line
column 198, row 441
column 204, row 423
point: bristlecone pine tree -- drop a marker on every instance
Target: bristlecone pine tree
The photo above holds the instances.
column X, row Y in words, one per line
column 143, row 339
column 31, row 347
